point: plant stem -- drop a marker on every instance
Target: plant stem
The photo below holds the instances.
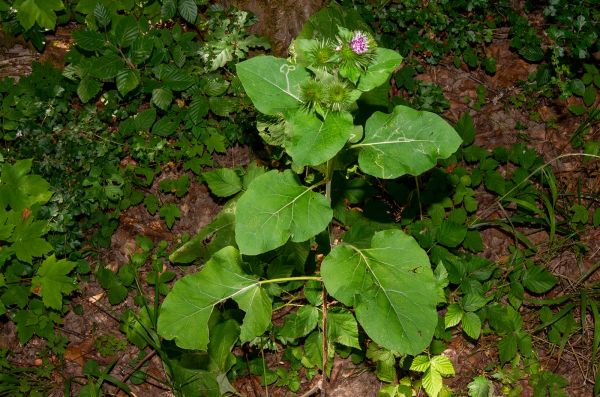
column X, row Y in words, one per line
column 324, row 347
column 419, row 197
column 287, row 279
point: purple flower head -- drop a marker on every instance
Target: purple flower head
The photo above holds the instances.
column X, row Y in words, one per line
column 359, row 43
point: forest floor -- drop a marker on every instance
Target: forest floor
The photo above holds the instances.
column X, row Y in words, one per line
column 495, row 120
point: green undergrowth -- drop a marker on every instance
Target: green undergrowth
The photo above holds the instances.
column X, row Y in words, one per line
column 367, row 240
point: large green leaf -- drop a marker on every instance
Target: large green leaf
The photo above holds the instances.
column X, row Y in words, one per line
column 385, row 62
column 406, row 141
column 275, row 208
column 312, row 141
column 272, row 83
column 391, row 286
column 185, row 311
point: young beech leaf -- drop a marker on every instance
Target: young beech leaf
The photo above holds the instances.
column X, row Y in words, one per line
column 273, row 84
column 391, row 286
column 53, row 281
column 185, row 311
column 312, row 141
column 276, row 208
column 406, row 141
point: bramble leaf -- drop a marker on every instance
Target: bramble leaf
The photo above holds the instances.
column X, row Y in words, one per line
column 277, row 208
column 223, row 182
column 480, row 386
column 538, row 280
column 169, row 212
column 391, row 286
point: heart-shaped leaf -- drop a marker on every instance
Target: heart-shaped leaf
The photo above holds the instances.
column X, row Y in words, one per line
column 391, row 286
column 185, row 312
column 273, row 84
column 312, row 141
column 406, row 141
column 276, row 208
column 385, row 62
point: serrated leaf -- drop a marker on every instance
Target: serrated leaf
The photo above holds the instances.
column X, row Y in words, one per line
column 20, row 191
column 300, row 323
column 89, row 40
column 188, row 10
column 420, row 364
column 151, row 203
column 277, row 208
column 174, row 78
column 342, row 328
column 126, row 31
column 466, row 128
column 162, row 97
column 432, row 382
column 145, row 119
column 223, row 182
column 102, row 15
column 471, row 324
column 472, row 302
column 391, row 286
column 386, row 362
column 141, row 49
column 223, row 106
column 198, row 108
column 312, row 141
column 451, row 234
column 127, row 80
column 442, row 364
column 88, row 88
column 169, row 212
column 165, row 126
column 27, row 242
column 54, row 282
column 106, row 67
column 40, row 11
column 186, row 310
column 480, row 386
column 168, row 9
column 379, row 71
column 507, row 348
column 538, row 280
column 454, row 314
column 406, row 141
column 272, row 83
